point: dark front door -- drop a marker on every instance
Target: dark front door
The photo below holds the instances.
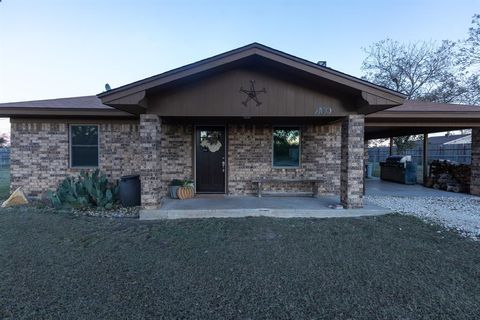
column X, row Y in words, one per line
column 210, row 159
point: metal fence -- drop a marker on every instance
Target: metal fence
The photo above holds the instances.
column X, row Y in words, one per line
column 4, row 158
column 461, row 153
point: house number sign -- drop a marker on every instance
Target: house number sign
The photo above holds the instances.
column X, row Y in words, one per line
column 323, row 111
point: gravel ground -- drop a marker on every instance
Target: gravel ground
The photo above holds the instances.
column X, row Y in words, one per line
column 59, row 266
column 120, row 212
column 459, row 213
column 41, row 207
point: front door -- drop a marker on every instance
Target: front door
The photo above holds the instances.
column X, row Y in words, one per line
column 210, row 159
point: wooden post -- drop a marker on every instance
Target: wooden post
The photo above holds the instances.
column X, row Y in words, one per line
column 391, row 147
column 425, row 157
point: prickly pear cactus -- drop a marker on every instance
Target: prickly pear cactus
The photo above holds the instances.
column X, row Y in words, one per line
column 89, row 189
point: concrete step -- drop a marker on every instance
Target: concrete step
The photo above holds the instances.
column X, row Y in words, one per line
column 155, row 214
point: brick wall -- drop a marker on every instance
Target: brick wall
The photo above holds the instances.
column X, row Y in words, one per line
column 352, row 159
column 150, row 163
column 250, row 157
column 40, row 155
column 40, row 152
column 177, row 154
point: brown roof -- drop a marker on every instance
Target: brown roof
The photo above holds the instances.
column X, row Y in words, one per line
column 84, row 102
column 425, row 106
column 74, row 106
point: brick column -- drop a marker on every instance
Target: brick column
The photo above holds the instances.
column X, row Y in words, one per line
column 150, row 168
column 353, row 153
column 475, row 178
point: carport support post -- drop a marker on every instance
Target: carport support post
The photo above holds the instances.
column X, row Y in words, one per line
column 425, row 157
column 150, row 170
column 475, row 165
column 390, row 150
column 352, row 159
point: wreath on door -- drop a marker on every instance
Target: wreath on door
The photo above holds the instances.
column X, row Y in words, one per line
column 211, row 142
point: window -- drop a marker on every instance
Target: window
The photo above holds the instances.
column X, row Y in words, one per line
column 286, row 147
column 84, row 146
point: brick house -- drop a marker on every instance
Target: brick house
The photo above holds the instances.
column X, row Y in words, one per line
column 223, row 122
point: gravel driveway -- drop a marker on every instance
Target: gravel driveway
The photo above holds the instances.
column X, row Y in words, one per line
column 459, row 213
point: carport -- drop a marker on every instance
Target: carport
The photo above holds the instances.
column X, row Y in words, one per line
column 419, row 117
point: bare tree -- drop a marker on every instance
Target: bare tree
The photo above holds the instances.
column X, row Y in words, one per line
column 439, row 72
column 3, row 140
column 469, row 59
column 420, row 70
column 471, row 46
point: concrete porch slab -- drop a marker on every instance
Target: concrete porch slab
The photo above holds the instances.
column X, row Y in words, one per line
column 377, row 187
column 221, row 206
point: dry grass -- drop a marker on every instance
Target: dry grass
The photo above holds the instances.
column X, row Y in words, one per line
column 393, row 267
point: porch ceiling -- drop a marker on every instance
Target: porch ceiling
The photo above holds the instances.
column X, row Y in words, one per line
column 250, row 120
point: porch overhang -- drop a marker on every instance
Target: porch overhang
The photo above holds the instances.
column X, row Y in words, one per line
column 418, row 117
column 134, row 103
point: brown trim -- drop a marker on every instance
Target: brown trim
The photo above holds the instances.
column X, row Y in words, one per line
column 227, row 145
column 70, row 145
column 423, row 124
column 424, row 114
column 385, row 132
column 56, row 112
column 425, row 158
column 253, row 120
column 65, row 120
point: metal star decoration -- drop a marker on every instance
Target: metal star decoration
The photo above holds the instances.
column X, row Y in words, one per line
column 252, row 93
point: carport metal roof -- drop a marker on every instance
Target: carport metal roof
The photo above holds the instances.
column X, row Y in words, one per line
column 416, row 117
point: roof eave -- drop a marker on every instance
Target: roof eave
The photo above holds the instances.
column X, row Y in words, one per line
column 63, row 112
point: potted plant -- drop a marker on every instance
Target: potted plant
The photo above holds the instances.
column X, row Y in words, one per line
column 186, row 191
column 173, row 187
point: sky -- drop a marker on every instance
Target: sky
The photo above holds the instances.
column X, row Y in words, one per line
column 66, row 48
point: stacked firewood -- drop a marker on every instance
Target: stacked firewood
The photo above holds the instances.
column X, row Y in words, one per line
column 449, row 176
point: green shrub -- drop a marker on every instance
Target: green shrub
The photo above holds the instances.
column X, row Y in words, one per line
column 176, row 182
column 180, row 183
column 89, row 189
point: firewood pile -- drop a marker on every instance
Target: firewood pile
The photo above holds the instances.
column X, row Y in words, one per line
column 449, row 176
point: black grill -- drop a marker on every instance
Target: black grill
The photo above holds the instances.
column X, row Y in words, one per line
column 399, row 169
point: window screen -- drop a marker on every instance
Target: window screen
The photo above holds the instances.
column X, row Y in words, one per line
column 84, row 145
column 286, row 147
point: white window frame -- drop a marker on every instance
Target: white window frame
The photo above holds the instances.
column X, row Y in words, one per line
column 71, row 144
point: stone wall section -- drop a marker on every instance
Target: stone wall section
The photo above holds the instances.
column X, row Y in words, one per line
column 177, row 154
column 250, row 157
column 352, row 160
column 119, row 149
column 151, row 161
column 40, row 155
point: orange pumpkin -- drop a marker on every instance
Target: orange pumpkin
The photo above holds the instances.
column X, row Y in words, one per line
column 185, row 192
